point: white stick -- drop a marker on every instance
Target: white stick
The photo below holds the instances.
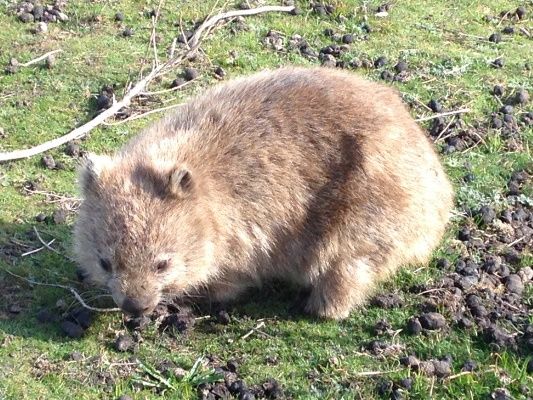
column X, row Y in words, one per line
column 462, row 110
column 36, row 60
column 70, row 289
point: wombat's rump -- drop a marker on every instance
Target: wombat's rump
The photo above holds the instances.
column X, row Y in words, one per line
column 310, row 175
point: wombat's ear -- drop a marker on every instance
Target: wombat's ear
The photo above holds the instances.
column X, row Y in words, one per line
column 180, row 182
column 91, row 169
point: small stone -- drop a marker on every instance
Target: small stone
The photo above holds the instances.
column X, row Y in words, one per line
column 496, row 123
column 380, row 62
column 406, row 383
column 328, row 61
column 272, row 389
column 76, row 356
column 190, row 73
column 48, row 161
column 72, row 329
column 177, row 323
column 469, row 365
column 521, row 12
column 185, row 36
column 59, row 216
column 38, row 12
column 501, row 394
column 442, row 369
column 487, row 214
column 82, row 317
column 62, row 16
column 127, row 32
column 432, row 321
column 414, row 327
column 237, row 387
column 177, row 83
column 219, row 72
column 14, row 308
column 223, row 317
column 386, row 76
column 26, row 17
column 498, row 63
column 409, row 361
column 40, row 217
column 72, row 149
column 514, row 284
column 508, row 30
column 124, row 343
column 119, row 17
column 435, row 106
column 103, row 102
column 521, row 97
column 495, row 38
column 401, row 66
column 50, row 61
column 125, row 397
column 42, row 27
column 233, row 366
column 464, row 234
column 465, row 323
column 497, row 90
column 427, row 368
column 508, row 119
column 347, row 39
column 138, row 323
column 61, row 304
column 506, row 109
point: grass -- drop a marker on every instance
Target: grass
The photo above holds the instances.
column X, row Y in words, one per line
column 449, row 59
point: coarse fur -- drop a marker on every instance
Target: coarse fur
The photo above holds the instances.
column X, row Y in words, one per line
column 311, row 175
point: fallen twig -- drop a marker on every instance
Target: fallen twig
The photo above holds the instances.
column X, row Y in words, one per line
column 139, row 87
column 258, row 326
column 460, row 111
column 38, row 249
column 374, row 373
column 142, row 115
column 43, row 57
column 70, row 289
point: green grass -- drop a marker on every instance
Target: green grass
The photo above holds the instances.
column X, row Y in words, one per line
column 447, row 60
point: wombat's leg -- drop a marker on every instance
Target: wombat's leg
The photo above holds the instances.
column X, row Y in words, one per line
column 338, row 290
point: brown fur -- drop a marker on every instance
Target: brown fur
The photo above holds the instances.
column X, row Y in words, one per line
column 310, row 175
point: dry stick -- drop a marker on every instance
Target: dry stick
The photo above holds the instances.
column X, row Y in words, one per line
column 44, row 243
column 138, row 88
column 460, row 111
column 36, row 60
column 374, row 373
column 258, row 326
column 142, row 115
column 70, row 289
column 37, row 250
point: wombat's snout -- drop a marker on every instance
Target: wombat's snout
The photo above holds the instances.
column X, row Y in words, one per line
column 137, row 307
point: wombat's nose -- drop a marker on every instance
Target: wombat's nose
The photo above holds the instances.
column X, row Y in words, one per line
column 135, row 307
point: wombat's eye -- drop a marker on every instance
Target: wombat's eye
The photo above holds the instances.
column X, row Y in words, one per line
column 162, row 266
column 105, row 264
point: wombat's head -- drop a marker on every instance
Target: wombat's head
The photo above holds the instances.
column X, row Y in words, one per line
column 140, row 231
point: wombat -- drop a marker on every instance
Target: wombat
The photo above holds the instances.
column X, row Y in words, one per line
column 309, row 175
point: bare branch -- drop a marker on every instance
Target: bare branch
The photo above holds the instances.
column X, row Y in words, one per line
column 70, row 289
column 445, row 114
column 139, row 87
column 43, row 57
